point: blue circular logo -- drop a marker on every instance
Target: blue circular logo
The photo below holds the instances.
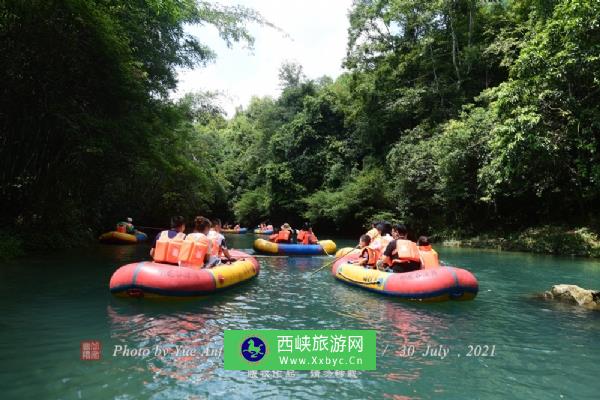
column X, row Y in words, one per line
column 253, row 349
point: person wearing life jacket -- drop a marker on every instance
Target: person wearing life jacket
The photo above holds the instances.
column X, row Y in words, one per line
column 306, row 235
column 177, row 231
column 218, row 241
column 401, row 254
column 429, row 257
column 195, row 250
column 284, row 235
column 367, row 256
column 126, row 226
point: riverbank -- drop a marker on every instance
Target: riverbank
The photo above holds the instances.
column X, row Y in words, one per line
column 581, row 242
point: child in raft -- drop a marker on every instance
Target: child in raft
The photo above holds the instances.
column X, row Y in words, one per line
column 367, row 256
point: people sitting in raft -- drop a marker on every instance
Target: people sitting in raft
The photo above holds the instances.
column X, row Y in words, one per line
column 367, row 256
column 306, row 235
column 177, row 226
column 127, row 226
column 429, row 257
column 218, row 242
column 236, row 227
column 401, row 255
column 284, row 235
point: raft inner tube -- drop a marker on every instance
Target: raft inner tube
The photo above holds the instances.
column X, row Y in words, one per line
column 263, row 232
column 155, row 280
column 115, row 237
column 241, row 231
column 431, row 285
column 324, row 247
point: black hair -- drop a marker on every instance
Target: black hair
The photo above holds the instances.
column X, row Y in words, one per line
column 201, row 223
column 401, row 228
column 177, row 222
column 366, row 239
column 307, row 226
column 386, row 228
column 423, row 241
column 216, row 222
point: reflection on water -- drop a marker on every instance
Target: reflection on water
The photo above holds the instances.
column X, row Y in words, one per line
column 50, row 304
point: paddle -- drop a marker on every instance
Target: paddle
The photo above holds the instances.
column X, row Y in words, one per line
column 329, row 264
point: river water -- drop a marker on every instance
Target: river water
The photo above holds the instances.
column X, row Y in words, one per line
column 541, row 350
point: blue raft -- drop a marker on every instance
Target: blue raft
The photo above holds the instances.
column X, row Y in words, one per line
column 325, row 247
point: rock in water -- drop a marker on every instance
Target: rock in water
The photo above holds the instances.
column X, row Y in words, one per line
column 573, row 294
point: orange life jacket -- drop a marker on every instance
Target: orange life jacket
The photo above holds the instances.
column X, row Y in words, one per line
column 273, row 237
column 167, row 250
column 193, row 251
column 371, row 256
column 216, row 249
column 429, row 257
column 121, row 228
column 306, row 237
column 283, row 236
column 408, row 255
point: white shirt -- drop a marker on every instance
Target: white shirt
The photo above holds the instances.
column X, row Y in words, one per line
column 216, row 237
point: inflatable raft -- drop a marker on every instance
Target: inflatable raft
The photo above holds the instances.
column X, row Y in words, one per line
column 325, row 247
column 240, row 231
column 263, row 232
column 431, row 285
column 115, row 237
column 154, row 280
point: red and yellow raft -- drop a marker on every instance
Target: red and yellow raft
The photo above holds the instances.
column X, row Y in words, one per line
column 429, row 285
column 151, row 279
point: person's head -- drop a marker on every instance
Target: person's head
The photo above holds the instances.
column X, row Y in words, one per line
column 423, row 241
column 374, row 224
column 216, row 224
column 286, row 226
column 307, row 226
column 379, row 227
column 386, row 228
column 202, row 224
column 365, row 240
column 399, row 231
column 129, row 219
column 178, row 223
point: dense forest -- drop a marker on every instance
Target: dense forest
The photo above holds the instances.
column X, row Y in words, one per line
column 453, row 116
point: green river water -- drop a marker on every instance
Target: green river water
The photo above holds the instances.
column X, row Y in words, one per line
column 542, row 350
